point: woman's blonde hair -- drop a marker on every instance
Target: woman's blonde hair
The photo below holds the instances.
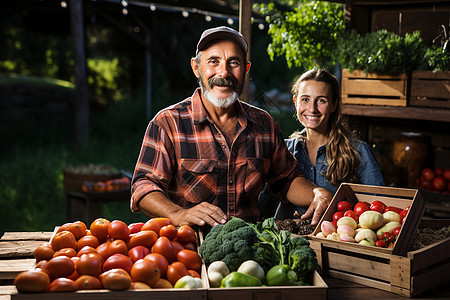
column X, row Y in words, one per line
column 343, row 159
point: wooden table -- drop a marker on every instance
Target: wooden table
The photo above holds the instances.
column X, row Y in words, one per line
column 16, row 255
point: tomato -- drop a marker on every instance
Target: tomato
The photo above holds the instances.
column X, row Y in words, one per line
column 139, row 286
column 160, row 261
column 90, row 264
column 156, row 224
column 344, row 206
column 118, row 230
column 78, row 229
column 438, row 171
column 189, row 246
column 392, row 208
column 164, row 247
column 74, row 276
column 334, row 224
column 86, row 250
column 439, row 183
column 186, row 234
column 145, row 271
column 135, row 227
column 190, row 259
column 64, row 227
column 337, row 215
column 380, row 243
column 32, row 281
column 194, row 273
column 60, row 266
column 428, row 174
column 118, row 261
column 88, row 282
column 88, row 240
column 396, row 231
column 177, row 246
column 43, row 252
column 351, row 214
column 63, row 239
column 361, row 207
column 103, row 250
column 427, row 184
column 69, row 252
column 163, row 284
column 446, row 174
column 145, row 238
column 169, row 231
column 404, row 212
column 41, row 266
column 62, row 285
column 99, row 228
column 138, row 252
column 116, row 280
column 117, row 246
column 378, row 206
column 175, row 271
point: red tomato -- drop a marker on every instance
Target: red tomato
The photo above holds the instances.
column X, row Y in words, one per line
column 63, row 239
column 164, row 247
column 88, row 240
column 190, row 259
column 99, row 228
column 138, row 252
column 43, row 252
column 404, row 212
column 334, row 224
column 439, row 183
column 189, row 246
column 352, row 214
column 446, row 174
column 427, row 184
column 146, row 238
column 169, row 231
column 117, row 246
column 145, row 271
column 393, row 208
column 156, row 224
column 361, row 207
column 177, row 246
column 103, row 250
column 186, row 234
column 90, row 264
column 118, row 230
column 160, row 261
column 69, row 252
column 42, row 266
column 116, row 280
column 396, row 231
column 175, row 271
column 118, row 261
column 337, row 215
column 378, row 206
column 428, row 174
column 88, row 282
column 32, row 281
column 194, row 274
column 344, row 206
column 62, row 285
column 438, row 171
column 86, row 250
column 135, row 227
column 78, row 229
column 380, row 243
column 60, row 266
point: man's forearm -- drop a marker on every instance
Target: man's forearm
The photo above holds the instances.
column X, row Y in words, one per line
column 301, row 192
column 156, row 204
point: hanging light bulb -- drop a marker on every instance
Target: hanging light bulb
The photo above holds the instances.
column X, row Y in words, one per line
column 124, row 3
column 230, row 21
column 208, row 18
column 152, row 7
column 185, row 13
column 124, row 11
column 64, row 4
column 261, row 26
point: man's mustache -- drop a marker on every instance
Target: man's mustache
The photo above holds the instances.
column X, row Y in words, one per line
column 220, row 81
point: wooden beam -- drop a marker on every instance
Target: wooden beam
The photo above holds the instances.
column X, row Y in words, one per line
column 81, row 87
column 245, row 27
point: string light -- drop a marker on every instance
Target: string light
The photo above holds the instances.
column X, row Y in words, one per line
column 152, row 7
column 124, row 11
column 63, row 4
column 208, row 18
column 230, row 21
column 185, row 14
column 124, row 3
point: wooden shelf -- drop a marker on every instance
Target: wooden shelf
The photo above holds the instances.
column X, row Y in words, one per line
column 409, row 113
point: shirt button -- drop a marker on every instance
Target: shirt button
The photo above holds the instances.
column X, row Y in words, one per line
column 231, row 208
column 223, row 146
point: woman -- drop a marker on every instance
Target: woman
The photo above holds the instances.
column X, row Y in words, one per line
column 326, row 151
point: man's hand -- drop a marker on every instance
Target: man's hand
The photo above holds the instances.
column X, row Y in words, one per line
column 201, row 214
column 318, row 206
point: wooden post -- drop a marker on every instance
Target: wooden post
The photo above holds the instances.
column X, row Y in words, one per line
column 81, row 88
column 245, row 27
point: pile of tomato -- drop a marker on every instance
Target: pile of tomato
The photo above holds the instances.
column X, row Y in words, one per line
column 113, row 255
column 436, row 180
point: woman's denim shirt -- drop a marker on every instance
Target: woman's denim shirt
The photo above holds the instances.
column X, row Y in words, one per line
column 369, row 173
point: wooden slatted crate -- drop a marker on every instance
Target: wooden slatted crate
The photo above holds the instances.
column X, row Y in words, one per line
column 430, row 89
column 374, row 89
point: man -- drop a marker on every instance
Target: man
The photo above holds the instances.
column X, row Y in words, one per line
column 207, row 158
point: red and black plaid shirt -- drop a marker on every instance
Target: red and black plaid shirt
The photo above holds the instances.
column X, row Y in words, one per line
column 184, row 156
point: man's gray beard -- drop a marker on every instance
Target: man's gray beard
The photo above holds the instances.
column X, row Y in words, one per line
column 219, row 102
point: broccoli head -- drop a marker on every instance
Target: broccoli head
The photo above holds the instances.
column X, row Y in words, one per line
column 231, row 243
column 303, row 261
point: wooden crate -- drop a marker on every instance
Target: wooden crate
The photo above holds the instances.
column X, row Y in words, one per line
column 430, row 89
column 374, row 89
column 409, row 276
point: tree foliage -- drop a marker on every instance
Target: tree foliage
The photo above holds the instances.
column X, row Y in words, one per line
column 305, row 32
